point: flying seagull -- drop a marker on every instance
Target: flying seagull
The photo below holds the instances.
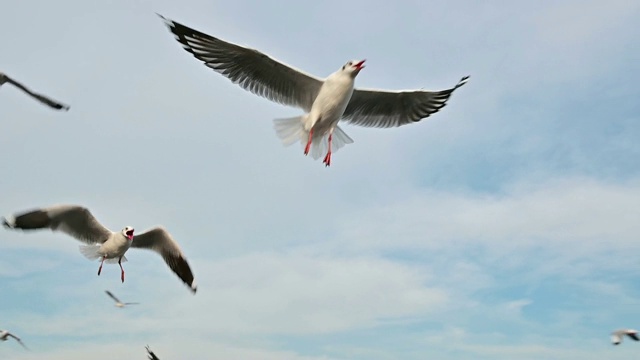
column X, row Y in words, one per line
column 325, row 101
column 78, row 222
column 4, row 78
column 152, row 356
column 119, row 303
column 618, row 335
column 5, row 335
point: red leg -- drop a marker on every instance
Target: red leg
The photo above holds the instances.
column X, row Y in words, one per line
column 121, row 269
column 327, row 159
column 306, row 148
column 100, row 268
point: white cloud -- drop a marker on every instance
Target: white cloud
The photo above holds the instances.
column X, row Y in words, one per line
column 270, row 294
column 571, row 216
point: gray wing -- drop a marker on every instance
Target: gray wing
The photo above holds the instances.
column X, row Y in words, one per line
column 249, row 68
column 112, row 296
column 159, row 240
column 152, row 356
column 17, row 339
column 73, row 220
column 385, row 109
column 42, row 98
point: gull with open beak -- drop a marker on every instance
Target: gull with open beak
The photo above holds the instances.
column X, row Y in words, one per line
column 104, row 244
column 325, row 101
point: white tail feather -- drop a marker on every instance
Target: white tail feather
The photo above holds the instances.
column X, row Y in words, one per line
column 290, row 130
column 90, row 251
column 320, row 146
column 340, row 139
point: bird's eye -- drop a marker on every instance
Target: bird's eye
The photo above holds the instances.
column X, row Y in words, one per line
column 350, row 62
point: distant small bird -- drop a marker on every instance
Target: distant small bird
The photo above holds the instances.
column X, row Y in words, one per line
column 4, row 78
column 618, row 335
column 78, row 222
column 325, row 101
column 152, row 356
column 5, row 335
column 119, row 303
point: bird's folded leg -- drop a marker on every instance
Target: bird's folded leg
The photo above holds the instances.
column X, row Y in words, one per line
column 121, row 270
column 306, row 148
column 327, row 159
column 101, row 263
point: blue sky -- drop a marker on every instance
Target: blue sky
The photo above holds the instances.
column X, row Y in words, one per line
column 503, row 227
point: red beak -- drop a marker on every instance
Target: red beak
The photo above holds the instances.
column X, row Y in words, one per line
column 359, row 65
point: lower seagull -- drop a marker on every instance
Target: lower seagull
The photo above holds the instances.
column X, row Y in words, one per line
column 119, row 303
column 104, row 244
column 618, row 335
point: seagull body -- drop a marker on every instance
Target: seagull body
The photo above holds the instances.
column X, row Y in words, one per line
column 5, row 335
column 104, row 244
column 119, row 303
column 325, row 101
column 618, row 335
column 4, row 78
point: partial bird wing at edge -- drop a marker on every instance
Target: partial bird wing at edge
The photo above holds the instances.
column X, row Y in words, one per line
column 385, row 109
column 249, row 68
column 158, row 239
column 152, row 356
column 42, row 98
column 18, row 340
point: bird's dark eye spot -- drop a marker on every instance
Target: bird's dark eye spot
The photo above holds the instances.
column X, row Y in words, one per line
column 350, row 62
column 343, row 67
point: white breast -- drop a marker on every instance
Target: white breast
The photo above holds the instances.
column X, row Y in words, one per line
column 331, row 102
column 116, row 246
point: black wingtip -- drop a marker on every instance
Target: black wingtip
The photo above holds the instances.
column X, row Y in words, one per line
column 6, row 224
column 61, row 107
column 166, row 21
column 462, row 81
column 152, row 356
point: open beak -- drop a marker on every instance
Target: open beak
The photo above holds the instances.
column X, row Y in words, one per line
column 359, row 65
column 130, row 234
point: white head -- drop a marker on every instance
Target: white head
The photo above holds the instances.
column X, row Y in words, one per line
column 353, row 67
column 128, row 232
